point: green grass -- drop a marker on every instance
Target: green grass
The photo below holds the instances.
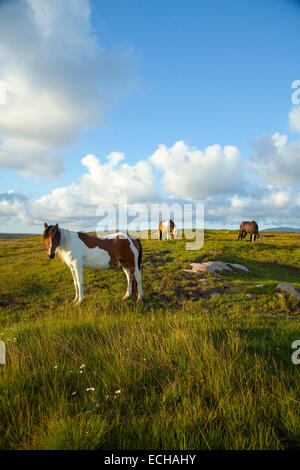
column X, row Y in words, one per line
column 194, row 372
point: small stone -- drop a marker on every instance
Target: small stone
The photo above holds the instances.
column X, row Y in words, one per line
column 289, row 289
column 250, row 296
column 215, row 295
column 210, row 266
column 239, row 266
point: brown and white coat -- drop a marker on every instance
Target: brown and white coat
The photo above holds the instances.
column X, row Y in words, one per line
column 167, row 227
column 78, row 250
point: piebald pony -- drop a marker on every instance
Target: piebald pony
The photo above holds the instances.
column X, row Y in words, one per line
column 78, row 250
column 167, row 227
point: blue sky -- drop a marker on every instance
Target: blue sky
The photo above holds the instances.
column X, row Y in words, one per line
column 201, row 72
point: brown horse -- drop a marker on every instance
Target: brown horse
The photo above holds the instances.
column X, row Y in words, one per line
column 249, row 227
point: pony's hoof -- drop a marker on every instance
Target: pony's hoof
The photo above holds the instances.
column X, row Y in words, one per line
column 126, row 297
column 139, row 299
column 79, row 302
column 75, row 300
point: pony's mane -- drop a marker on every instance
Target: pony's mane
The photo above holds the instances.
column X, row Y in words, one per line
column 46, row 231
column 64, row 234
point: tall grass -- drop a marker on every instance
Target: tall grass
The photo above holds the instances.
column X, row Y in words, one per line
column 175, row 373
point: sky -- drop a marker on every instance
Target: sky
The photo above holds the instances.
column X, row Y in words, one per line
column 159, row 102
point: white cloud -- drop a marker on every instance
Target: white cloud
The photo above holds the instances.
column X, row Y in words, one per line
column 268, row 206
column 14, row 206
column 76, row 204
column 192, row 173
column 104, row 183
column 276, row 161
column 57, row 81
column 187, row 173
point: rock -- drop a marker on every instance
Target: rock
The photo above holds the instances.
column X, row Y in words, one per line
column 215, row 295
column 213, row 266
column 239, row 266
column 289, row 289
column 250, row 296
column 210, row 266
column 259, row 285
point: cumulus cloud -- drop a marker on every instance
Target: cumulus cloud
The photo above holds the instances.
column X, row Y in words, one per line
column 103, row 183
column 215, row 175
column 14, row 206
column 276, row 161
column 269, row 206
column 57, row 81
column 192, row 173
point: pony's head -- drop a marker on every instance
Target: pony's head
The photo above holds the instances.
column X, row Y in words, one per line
column 51, row 236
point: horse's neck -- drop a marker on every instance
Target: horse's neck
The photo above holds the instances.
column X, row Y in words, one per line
column 66, row 237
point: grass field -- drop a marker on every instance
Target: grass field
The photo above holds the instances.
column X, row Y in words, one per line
column 180, row 371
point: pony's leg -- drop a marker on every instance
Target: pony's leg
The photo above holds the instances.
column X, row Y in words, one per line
column 160, row 234
column 138, row 277
column 129, row 276
column 75, row 284
column 79, row 279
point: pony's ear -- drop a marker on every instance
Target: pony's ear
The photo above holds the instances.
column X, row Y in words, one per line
column 56, row 226
column 45, row 225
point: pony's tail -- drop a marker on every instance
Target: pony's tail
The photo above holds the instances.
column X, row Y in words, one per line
column 140, row 254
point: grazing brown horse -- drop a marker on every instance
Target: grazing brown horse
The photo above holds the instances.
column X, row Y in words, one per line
column 249, row 227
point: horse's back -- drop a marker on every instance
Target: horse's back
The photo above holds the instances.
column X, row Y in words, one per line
column 167, row 225
column 249, row 227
